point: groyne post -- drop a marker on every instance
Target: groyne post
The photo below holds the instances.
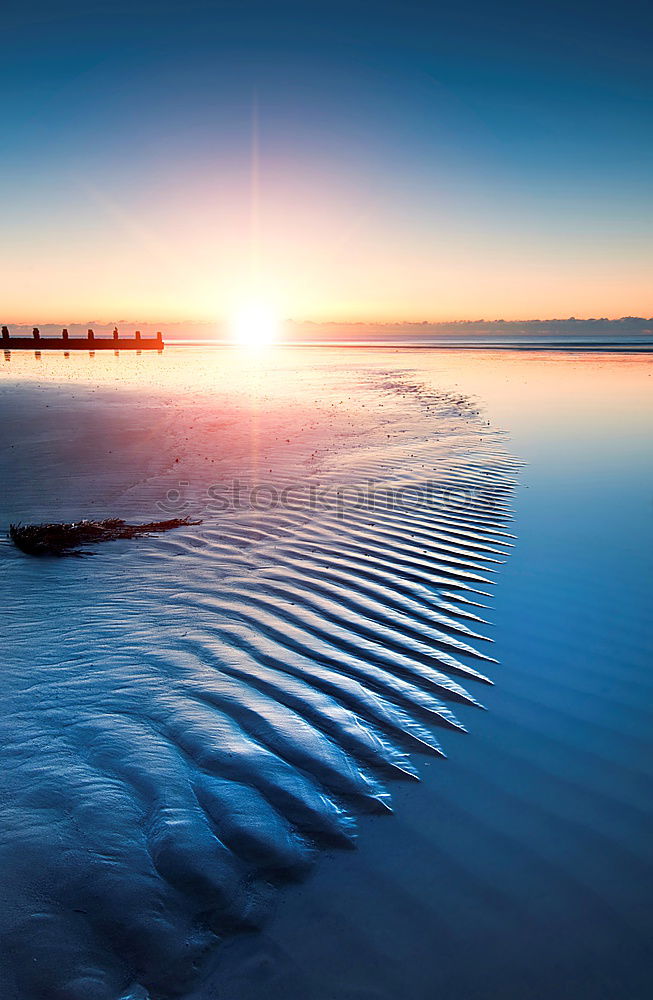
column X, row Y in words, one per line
column 65, row 341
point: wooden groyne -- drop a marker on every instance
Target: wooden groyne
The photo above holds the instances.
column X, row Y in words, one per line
column 90, row 342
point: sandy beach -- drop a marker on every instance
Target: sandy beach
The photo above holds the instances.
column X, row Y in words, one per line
column 199, row 727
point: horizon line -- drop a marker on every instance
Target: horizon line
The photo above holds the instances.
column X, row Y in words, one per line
column 342, row 322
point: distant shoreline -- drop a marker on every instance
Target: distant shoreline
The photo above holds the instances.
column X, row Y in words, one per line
column 590, row 346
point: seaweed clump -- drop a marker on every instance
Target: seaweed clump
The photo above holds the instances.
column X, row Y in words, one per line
column 65, row 539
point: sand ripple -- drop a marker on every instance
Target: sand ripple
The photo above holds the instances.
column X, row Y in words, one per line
column 191, row 721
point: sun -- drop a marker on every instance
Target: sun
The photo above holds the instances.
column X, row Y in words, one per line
column 255, row 324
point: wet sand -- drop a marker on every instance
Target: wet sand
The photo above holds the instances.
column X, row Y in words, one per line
column 222, row 705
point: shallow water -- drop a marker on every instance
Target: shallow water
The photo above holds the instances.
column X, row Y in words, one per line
column 516, row 867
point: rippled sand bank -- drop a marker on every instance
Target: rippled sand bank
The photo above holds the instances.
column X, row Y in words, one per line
column 188, row 720
column 191, row 722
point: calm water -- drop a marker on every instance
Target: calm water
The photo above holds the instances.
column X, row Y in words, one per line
column 521, row 865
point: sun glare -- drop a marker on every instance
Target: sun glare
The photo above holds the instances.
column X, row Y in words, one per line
column 255, row 325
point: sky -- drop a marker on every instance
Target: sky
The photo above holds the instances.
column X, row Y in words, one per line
column 342, row 161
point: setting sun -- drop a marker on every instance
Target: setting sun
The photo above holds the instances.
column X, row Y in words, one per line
column 255, row 324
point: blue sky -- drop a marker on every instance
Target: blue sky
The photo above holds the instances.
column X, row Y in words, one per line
column 430, row 161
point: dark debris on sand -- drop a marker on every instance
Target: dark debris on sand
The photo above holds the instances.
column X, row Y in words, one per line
column 66, row 539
